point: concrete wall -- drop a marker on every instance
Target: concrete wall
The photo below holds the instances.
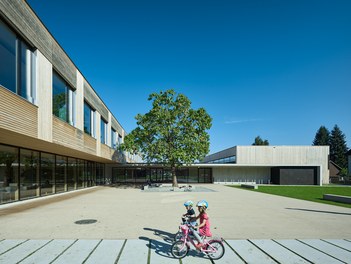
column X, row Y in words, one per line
column 286, row 156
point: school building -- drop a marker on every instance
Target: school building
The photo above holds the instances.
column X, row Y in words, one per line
column 57, row 135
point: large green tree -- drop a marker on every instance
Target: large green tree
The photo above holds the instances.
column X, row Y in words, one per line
column 322, row 137
column 171, row 133
column 338, row 147
column 260, row 142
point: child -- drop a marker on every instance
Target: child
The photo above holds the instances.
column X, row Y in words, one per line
column 204, row 227
column 190, row 212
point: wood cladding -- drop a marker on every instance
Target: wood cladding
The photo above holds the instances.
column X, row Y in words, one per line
column 69, row 136
column 17, row 114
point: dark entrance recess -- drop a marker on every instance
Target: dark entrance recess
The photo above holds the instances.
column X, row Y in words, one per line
column 294, row 175
column 160, row 175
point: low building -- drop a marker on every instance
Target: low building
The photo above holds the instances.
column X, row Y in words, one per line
column 291, row 165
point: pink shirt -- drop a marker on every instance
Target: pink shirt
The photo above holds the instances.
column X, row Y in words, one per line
column 205, row 230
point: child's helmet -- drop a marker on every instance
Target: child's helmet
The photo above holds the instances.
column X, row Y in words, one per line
column 189, row 203
column 202, row 203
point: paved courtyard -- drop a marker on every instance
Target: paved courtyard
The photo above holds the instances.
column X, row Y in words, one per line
column 129, row 225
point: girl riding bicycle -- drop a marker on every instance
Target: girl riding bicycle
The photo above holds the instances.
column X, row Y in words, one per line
column 204, row 227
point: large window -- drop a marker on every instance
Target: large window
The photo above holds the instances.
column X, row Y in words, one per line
column 103, row 131
column 89, row 120
column 47, row 173
column 113, row 138
column 63, row 100
column 29, row 173
column 17, row 67
column 8, row 174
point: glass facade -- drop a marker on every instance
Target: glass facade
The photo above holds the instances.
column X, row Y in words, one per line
column 17, row 67
column 47, row 174
column 143, row 175
column 8, row 174
column 28, row 174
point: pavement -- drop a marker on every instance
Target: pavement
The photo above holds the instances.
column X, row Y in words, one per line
column 136, row 226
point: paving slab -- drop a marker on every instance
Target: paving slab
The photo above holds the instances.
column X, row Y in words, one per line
column 106, row 252
column 342, row 243
column 134, row 251
column 307, row 252
column 249, row 252
column 277, row 252
column 21, row 251
column 160, row 252
column 77, row 252
column 49, row 252
column 329, row 249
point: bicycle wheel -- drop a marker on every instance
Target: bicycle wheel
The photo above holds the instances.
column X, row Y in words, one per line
column 178, row 236
column 179, row 249
column 216, row 249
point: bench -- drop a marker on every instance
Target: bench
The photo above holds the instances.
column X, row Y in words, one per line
column 337, row 198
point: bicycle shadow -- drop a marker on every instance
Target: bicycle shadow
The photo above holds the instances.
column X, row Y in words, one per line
column 163, row 247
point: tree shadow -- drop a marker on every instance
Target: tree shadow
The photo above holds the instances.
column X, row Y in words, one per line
column 163, row 247
column 318, row 211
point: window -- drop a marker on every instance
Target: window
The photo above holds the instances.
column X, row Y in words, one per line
column 18, row 62
column 113, row 139
column 63, row 100
column 103, row 131
column 89, row 120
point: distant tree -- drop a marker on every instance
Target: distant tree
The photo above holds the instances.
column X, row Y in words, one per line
column 260, row 142
column 322, row 137
column 171, row 133
column 338, row 147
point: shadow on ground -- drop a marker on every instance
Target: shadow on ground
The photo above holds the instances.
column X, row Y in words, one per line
column 163, row 247
column 317, row 211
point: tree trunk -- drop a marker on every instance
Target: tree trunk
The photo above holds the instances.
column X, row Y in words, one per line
column 174, row 177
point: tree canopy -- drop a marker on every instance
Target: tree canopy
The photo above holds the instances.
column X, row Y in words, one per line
column 260, row 142
column 336, row 140
column 171, row 133
column 322, row 137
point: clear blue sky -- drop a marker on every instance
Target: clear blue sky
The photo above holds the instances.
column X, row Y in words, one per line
column 277, row 69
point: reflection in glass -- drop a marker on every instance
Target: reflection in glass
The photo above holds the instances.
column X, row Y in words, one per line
column 59, row 98
column 60, row 173
column 8, row 174
column 87, row 119
column 8, row 58
column 29, row 173
column 47, row 173
column 71, row 174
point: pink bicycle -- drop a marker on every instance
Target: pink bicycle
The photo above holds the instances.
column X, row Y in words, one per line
column 214, row 248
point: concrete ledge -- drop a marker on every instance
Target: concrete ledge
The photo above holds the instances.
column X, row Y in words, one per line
column 337, row 198
column 250, row 186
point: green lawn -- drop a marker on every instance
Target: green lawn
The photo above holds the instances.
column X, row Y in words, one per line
column 309, row 193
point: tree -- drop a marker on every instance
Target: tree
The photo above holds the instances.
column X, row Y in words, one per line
column 171, row 133
column 260, row 142
column 338, row 147
column 322, row 137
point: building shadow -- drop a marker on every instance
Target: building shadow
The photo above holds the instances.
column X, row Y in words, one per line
column 318, row 211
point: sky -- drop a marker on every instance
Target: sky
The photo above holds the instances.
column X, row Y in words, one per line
column 274, row 69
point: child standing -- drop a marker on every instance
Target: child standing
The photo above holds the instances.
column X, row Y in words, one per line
column 204, row 227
